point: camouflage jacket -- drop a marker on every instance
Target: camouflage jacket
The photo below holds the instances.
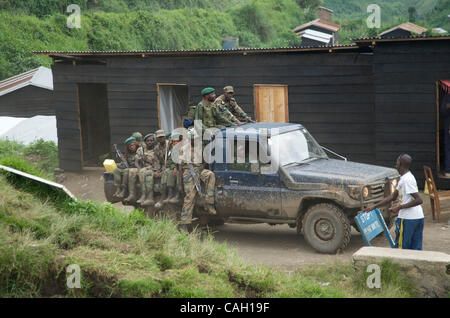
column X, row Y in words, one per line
column 225, row 113
column 170, row 164
column 149, row 158
column 130, row 158
column 187, row 156
column 161, row 152
column 233, row 107
column 210, row 116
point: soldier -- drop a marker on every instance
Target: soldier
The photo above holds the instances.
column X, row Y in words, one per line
column 161, row 154
column 148, row 165
column 206, row 111
column 170, row 173
column 138, row 137
column 225, row 113
column 186, row 157
column 122, row 174
column 227, row 100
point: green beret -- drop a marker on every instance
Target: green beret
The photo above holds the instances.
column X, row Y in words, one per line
column 130, row 140
column 207, row 91
column 149, row 136
column 168, row 135
column 137, row 135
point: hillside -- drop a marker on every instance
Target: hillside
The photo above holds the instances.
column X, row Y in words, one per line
column 35, row 25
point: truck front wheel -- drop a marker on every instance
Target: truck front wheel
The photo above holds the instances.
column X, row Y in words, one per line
column 326, row 228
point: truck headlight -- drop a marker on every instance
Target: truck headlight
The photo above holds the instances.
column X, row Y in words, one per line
column 365, row 192
column 354, row 192
column 393, row 185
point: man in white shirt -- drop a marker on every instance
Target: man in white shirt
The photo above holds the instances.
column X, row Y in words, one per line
column 410, row 221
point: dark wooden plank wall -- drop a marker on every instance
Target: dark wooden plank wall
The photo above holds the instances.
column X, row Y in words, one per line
column 331, row 94
column 405, row 75
column 27, row 102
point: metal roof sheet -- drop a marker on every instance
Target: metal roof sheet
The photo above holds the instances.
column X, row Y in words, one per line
column 400, row 39
column 407, row 26
column 40, row 77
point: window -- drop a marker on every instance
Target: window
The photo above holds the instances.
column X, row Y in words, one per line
column 173, row 100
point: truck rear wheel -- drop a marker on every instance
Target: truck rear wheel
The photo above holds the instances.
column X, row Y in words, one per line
column 326, row 228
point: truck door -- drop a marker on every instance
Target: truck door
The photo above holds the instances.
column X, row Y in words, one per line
column 247, row 193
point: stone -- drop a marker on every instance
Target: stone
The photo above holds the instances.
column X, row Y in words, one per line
column 428, row 270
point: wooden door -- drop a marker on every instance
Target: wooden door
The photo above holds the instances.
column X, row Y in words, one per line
column 271, row 103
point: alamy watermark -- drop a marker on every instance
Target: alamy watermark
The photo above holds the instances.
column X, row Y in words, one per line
column 374, row 19
column 374, row 279
column 74, row 276
column 74, row 20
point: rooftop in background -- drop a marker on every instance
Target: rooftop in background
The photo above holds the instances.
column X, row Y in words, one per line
column 41, row 77
column 316, row 36
column 360, row 43
column 407, row 26
column 320, row 23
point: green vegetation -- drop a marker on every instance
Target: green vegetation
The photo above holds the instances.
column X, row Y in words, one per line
column 39, row 158
column 129, row 255
column 33, row 25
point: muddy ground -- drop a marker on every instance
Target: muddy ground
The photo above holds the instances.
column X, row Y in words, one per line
column 278, row 245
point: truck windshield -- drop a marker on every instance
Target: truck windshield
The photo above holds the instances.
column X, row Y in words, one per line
column 296, row 146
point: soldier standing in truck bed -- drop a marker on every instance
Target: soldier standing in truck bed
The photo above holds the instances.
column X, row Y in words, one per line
column 207, row 112
column 122, row 174
column 227, row 100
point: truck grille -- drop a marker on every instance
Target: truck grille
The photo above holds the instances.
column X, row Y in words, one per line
column 378, row 192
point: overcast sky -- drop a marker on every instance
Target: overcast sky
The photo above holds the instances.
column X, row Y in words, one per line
column 6, row 123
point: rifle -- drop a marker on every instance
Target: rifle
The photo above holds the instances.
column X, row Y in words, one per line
column 119, row 154
column 196, row 179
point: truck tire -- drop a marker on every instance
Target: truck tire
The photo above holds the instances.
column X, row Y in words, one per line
column 109, row 187
column 326, row 228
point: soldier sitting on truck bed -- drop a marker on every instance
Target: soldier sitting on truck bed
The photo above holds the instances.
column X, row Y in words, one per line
column 170, row 173
column 148, row 164
column 161, row 154
column 123, row 173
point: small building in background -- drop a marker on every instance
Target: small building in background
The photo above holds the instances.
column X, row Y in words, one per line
column 322, row 25
column 28, row 94
column 315, row 38
column 439, row 31
column 406, row 29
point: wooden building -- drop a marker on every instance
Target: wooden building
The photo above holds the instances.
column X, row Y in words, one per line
column 404, row 30
column 369, row 101
column 28, row 94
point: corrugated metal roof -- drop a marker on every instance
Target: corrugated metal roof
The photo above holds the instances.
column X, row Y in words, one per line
column 198, row 52
column 400, row 39
column 407, row 26
column 40, row 77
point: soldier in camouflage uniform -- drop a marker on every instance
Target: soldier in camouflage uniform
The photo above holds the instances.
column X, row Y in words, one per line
column 138, row 137
column 227, row 100
column 170, row 173
column 225, row 113
column 126, row 177
column 186, row 158
column 207, row 112
column 161, row 154
column 149, row 165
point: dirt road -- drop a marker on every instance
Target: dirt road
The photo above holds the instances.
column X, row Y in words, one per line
column 279, row 245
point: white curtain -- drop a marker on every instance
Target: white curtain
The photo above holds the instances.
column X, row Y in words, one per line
column 173, row 102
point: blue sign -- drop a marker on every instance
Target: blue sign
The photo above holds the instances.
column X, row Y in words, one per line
column 371, row 224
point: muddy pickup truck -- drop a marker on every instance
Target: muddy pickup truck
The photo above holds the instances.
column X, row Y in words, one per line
column 291, row 181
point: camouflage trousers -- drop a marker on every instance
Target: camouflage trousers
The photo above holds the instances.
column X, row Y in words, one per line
column 168, row 178
column 146, row 178
column 208, row 180
column 123, row 175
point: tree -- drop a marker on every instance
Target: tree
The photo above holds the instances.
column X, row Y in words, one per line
column 412, row 14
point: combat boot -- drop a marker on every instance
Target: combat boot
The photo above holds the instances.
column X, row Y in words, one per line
column 143, row 196
column 176, row 197
column 169, row 195
column 183, row 228
column 149, row 201
column 132, row 195
column 211, row 209
column 118, row 190
column 121, row 194
column 160, row 203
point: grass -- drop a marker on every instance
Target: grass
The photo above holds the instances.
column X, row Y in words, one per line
column 130, row 255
